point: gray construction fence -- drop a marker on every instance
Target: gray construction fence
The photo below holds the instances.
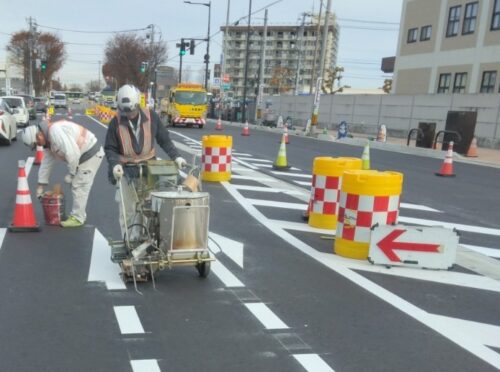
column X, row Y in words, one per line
column 399, row 113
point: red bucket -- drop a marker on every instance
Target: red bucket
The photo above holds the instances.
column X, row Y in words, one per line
column 53, row 208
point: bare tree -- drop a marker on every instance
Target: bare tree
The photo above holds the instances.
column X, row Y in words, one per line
column 93, row 86
column 124, row 54
column 75, row 88
column 47, row 47
column 281, row 79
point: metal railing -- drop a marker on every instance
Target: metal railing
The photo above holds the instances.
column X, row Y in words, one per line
column 443, row 132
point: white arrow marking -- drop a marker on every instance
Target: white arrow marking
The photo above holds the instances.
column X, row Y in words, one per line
column 231, row 248
column 3, row 230
column 101, row 268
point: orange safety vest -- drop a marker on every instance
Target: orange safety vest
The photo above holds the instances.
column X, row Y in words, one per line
column 128, row 153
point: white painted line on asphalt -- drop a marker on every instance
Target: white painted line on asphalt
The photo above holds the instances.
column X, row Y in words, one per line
column 267, row 189
column 225, row 276
column 241, row 154
column 303, row 183
column 418, row 207
column 256, row 160
column 97, row 121
column 491, row 252
column 29, row 164
column 312, row 363
column 299, row 175
column 285, row 205
column 268, row 319
column 250, row 178
column 231, row 248
column 145, row 365
column 450, row 225
column 3, row 230
column 264, row 165
column 297, row 226
column 101, row 268
column 244, row 163
column 128, row 320
column 470, row 344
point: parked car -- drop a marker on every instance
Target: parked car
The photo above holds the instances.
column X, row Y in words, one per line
column 60, row 100
column 41, row 104
column 19, row 109
column 8, row 123
column 30, row 104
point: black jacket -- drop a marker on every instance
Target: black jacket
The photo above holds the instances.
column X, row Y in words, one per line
column 113, row 148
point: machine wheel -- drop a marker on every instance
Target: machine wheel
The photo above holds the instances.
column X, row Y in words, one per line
column 203, row 269
column 200, row 126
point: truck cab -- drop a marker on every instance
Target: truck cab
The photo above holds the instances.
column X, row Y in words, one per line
column 187, row 105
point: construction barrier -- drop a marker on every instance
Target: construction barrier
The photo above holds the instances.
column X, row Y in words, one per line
column 90, row 111
column 367, row 198
column 104, row 113
column 216, row 158
column 325, row 189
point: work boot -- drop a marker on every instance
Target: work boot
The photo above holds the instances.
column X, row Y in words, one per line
column 71, row 222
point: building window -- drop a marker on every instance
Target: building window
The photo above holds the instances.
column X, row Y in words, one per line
column 488, row 82
column 444, row 83
column 425, row 33
column 495, row 20
column 460, row 82
column 412, row 35
column 470, row 18
column 453, row 21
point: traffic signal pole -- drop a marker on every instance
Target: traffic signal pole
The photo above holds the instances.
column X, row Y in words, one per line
column 180, row 60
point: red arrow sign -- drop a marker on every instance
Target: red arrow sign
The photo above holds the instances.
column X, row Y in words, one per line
column 388, row 245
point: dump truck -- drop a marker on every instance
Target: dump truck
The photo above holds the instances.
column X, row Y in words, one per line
column 186, row 105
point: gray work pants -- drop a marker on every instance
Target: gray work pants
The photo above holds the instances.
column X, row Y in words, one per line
column 82, row 183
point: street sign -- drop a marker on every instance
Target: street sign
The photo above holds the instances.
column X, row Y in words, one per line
column 226, row 78
column 226, row 86
column 427, row 247
column 216, row 82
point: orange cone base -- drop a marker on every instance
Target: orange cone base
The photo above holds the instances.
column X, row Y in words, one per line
column 245, row 134
column 281, row 167
column 13, row 228
column 445, row 175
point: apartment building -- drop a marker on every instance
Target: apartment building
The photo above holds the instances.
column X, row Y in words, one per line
column 448, row 46
column 287, row 47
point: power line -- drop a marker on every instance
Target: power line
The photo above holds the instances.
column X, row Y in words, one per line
column 93, row 32
column 365, row 21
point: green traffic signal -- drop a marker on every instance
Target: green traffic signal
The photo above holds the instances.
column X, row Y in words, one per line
column 43, row 65
column 182, row 52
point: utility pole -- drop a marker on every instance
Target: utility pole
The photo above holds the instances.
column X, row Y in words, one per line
column 318, row 30
column 151, row 59
column 243, row 116
column 315, row 110
column 300, row 36
column 99, row 74
column 207, row 56
column 180, row 61
column 30, row 47
column 260, row 86
column 224, row 53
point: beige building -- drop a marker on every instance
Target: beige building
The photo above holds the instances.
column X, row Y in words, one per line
column 448, row 46
column 285, row 48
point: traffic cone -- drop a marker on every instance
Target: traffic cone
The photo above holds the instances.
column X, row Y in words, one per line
column 382, row 134
column 24, row 215
column 285, row 135
column 447, row 167
column 218, row 125
column 472, row 152
column 39, row 155
column 246, row 130
column 281, row 162
column 365, row 158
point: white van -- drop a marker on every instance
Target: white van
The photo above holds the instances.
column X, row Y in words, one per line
column 60, row 100
column 19, row 109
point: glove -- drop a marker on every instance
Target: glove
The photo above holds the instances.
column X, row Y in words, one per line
column 118, row 172
column 39, row 191
column 68, row 178
column 180, row 162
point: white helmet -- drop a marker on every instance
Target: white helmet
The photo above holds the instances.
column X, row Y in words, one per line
column 29, row 136
column 128, row 98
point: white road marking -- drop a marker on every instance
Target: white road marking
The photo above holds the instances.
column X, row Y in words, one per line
column 231, row 248
column 312, row 363
column 450, row 225
column 299, row 175
column 267, row 189
column 419, row 207
column 145, row 365
column 465, row 341
column 241, row 154
column 256, row 160
column 285, row 205
column 101, row 268
column 297, row 226
column 303, row 183
column 97, row 121
column 225, row 276
column 128, row 320
column 29, row 164
column 241, row 162
column 3, row 230
column 268, row 319
column 250, row 178
column 491, row 252
column 264, row 165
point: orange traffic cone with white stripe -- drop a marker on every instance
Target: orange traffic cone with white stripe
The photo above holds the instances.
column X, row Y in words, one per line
column 285, row 135
column 246, row 130
column 447, row 167
column 472, row 152
column 281, row 163
column 24, row 214
column 38, row 156
column 218, row 125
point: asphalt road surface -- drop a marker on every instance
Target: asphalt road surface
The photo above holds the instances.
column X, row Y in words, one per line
column 277, row 298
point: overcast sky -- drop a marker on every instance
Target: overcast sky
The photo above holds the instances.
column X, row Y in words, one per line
column 369, row 29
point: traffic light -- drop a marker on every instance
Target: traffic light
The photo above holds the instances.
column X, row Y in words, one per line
column 387, row 85
column 144, row 66
column 182, row 51
column 206, row 58
column 43, row 65
column 191, row 47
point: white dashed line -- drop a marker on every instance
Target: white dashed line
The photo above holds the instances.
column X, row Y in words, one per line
column 225, row 276
column 145, row 365
column 299, row 175
column 128, row 320
column 312, row 363
column 268, row 319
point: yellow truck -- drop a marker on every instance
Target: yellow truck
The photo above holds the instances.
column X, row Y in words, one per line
column 187, row 105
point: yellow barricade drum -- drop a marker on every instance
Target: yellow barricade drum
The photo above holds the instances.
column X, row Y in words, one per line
column 216, row 158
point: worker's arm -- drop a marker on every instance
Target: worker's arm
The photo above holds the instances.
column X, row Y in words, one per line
column 162, row 136
column 112, row 148
column 63, row 144
column 46, row 167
